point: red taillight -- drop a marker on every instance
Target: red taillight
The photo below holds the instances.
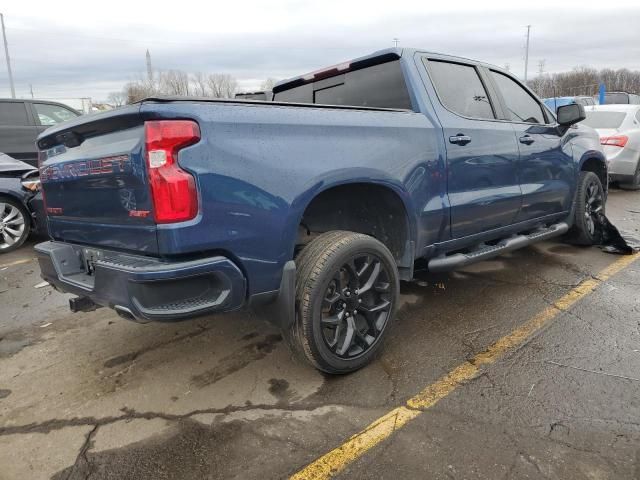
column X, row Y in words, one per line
column 174, row 194
column 615, row 141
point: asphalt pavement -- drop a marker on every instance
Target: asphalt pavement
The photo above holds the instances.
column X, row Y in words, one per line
column 525, row 366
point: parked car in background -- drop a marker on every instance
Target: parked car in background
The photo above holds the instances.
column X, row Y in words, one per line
column 21, row 121
column 619, row 130
column 21, row 206
column 554, row 102
column 310, row 209
column 621, row 98
column 263, row 95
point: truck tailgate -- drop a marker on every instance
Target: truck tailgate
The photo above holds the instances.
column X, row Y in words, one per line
column 95, row 181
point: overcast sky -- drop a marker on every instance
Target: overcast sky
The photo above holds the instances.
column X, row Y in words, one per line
column 88, row 49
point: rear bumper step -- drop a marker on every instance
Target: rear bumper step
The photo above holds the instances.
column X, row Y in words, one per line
column 145, row 288
column 444, row 263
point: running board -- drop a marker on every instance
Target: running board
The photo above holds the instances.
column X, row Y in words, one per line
column 444, row 263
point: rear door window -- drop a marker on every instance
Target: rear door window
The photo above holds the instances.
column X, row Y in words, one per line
column 460, row 89
column 521, row 106
column 13, row 114
column 49, row 114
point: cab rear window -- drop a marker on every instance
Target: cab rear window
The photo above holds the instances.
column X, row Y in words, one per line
column 380, row 86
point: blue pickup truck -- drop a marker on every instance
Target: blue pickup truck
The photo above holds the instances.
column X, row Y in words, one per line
column 311, row 208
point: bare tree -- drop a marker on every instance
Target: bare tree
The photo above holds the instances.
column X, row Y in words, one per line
column 136, row 91
column 179, row 83
column 221, row 85
column 117, row 99
column 585, row 80
column 199, row 84
column 173, row 82
column 268, row 84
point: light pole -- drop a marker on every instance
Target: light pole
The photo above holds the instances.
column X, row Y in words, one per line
column 526, row 55
column 6, row 54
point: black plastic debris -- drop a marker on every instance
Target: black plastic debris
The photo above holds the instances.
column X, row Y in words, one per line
column 614, row 241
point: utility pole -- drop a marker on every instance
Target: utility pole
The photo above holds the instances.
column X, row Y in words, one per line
column 6, row 54
column 149, row 70
column 526, row 55
column 395, row 42
column 541, row 65
column 31, row 89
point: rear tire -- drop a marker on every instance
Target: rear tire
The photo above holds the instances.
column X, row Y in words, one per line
column 14, row 225
column 634, row 184
column 589, row 202
column 347, row 292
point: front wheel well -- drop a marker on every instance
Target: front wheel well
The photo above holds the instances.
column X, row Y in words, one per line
column 363, row 208
column 598, row 167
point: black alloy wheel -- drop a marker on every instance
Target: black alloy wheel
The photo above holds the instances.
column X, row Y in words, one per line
column 594, row 203
column 347, row 290
column 588, row 209
column 356, row 306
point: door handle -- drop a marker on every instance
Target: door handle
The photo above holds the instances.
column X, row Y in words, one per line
column 460, row 139
column 526, row 139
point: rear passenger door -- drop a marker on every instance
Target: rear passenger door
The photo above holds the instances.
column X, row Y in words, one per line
column 545, row 167
column 17, row 131
column 482, row 153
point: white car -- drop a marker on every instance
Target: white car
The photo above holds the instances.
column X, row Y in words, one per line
column 619, row 130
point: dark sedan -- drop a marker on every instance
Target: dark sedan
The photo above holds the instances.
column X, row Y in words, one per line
column 21, row 205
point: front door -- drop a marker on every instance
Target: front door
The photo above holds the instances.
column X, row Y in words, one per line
column 545, row 167
column 482, row 153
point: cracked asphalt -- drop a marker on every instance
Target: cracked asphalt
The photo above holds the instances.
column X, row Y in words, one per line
column 93, row 396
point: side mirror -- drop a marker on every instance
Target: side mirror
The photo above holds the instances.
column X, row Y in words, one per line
column 570, row 114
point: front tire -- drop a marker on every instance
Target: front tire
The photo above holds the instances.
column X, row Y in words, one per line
column 346, row 296
column 589, row 205
column 14, row 225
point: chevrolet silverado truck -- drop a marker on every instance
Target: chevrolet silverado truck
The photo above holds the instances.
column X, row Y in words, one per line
column 311, row 208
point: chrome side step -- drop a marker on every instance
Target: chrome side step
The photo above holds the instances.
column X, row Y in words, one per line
column 444, row 263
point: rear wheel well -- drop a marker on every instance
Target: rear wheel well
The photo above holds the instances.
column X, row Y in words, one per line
column 598, row 167
column 363, row 208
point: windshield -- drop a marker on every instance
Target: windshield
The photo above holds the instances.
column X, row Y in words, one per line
column 604, row 119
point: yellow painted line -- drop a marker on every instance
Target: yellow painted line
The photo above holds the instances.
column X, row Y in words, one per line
column 337, row 459
column 17, row 262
